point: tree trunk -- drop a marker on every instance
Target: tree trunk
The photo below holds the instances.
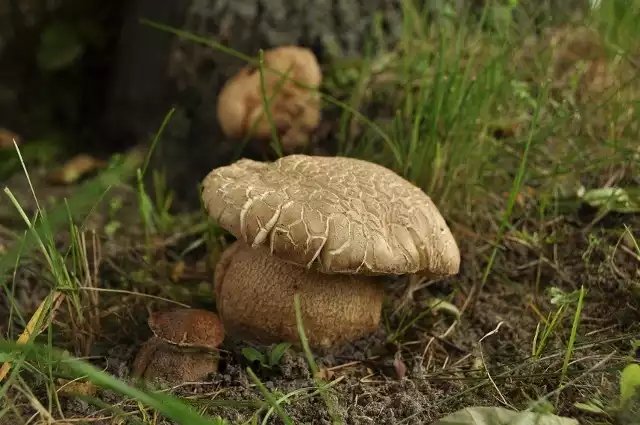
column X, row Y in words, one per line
column 54, row 58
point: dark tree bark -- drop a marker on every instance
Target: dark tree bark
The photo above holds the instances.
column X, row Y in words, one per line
column 44, row 99
column 141, row 89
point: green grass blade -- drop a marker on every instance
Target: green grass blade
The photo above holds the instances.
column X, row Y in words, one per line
column 82, row 201
column 170, row 407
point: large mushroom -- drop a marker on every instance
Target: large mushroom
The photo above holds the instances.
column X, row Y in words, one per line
column 335, row 308
column 183, row 346
column 308, row 216
column 295, row 110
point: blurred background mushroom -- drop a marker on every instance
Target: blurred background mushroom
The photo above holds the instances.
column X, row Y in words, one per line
column 294, row 108
column 305, row 216
column 183, row 347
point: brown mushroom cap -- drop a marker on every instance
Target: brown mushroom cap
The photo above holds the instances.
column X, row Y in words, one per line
column 333, row 214
column 295, row 110
column 188, row 327
column 255, row 299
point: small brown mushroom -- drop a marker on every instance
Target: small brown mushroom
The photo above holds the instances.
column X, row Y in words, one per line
column 335, row 308
column 188, row 327
column 311, row 216
column 183, row 347
column 295, row 110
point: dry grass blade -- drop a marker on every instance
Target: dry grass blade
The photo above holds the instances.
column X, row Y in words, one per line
column 48, row 306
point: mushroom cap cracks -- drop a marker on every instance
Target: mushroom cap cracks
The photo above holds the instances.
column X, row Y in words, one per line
column 188, row 327
column 332, row 214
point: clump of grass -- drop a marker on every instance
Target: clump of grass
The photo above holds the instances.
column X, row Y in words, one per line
column 155, row 216
column 31, row 354
column 442, row 90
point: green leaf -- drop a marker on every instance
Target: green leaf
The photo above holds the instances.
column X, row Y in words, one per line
column 614, row 199
column 253, row 355
column 501, row 416
column 278, row 351
column 629, row 382
column 591, row 407
column 501, row 17
column 59, row 47
column 437, row 305
column 7, row 357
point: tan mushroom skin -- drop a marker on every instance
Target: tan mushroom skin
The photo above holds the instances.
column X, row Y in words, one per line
column 160, row 362
column 188, row 327
column 332, row 214
column 255, row 298
column 295, row 110
column 182, row 348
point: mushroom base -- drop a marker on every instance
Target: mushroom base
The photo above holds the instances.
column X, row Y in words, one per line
column 255, row 300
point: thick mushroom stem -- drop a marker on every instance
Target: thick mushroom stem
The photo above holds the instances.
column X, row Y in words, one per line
column 145, row 356
column 159, row 362
column 255, row 295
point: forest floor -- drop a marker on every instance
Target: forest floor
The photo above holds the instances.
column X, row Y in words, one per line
column 530, row 150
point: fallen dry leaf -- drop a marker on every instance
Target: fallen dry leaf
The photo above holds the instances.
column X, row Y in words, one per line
column 399, row 366
column 76, row 168
column 53, row 301
column 598, row 79
column 75, row 388
column 7, row 137
column 178, row 271
column 520, row 199
column 325, row 374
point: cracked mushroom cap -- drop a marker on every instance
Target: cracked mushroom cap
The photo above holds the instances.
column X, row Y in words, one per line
column 188, row 327
column 295, row 110
column 255, row 299
column 333, row 214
